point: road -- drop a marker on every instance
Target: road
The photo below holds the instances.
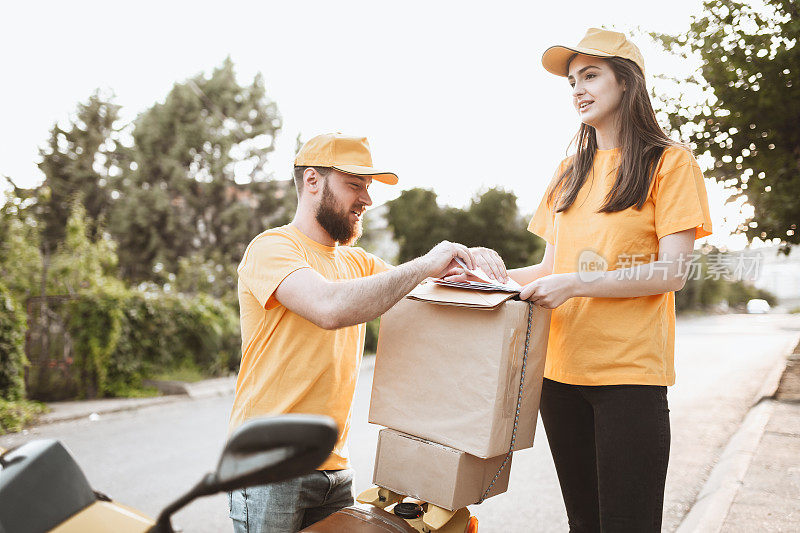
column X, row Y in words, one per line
column 148, row 457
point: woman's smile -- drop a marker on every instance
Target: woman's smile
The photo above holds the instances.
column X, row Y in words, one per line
column 584, row 105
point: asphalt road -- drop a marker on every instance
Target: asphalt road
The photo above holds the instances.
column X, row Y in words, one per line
column 146, row 458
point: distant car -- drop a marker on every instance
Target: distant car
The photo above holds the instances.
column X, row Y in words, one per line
column 757, row 306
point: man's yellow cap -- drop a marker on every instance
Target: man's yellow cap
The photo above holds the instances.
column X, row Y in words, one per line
column 350, row 155
column 598, row 43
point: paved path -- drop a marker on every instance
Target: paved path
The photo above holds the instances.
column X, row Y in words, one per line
column 149, row 456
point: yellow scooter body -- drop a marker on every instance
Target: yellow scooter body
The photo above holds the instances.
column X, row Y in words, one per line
column 102, row 517
column 434, row 519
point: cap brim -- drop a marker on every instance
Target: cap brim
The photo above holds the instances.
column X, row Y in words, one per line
column 556, row 58
column 390, row 178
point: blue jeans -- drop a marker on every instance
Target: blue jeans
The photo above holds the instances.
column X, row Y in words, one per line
column 289, row 506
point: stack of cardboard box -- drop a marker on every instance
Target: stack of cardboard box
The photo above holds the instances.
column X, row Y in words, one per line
column 446, row 387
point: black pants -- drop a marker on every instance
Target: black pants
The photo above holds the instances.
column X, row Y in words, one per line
column 610, row 445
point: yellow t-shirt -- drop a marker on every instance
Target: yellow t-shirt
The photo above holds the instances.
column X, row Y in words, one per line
column 614, row 341
column 290, row 365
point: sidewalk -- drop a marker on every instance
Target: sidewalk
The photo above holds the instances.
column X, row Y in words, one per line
column 172, row 391
column 755, row 485
column 769, row 496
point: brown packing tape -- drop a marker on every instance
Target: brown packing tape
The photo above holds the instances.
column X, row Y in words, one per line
column 512, row 377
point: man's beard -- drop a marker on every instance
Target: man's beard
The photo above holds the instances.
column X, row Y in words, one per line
column 335, row 221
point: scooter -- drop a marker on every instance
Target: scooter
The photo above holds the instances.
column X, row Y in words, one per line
column 42, row 488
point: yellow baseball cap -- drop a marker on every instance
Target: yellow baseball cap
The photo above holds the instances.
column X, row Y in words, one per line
column 350, row 155
column 598, row 43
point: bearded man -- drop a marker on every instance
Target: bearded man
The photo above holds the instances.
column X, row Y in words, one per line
column 305, row 295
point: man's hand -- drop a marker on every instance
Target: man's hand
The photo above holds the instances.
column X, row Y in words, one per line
column 441, row 259
column 550, row 291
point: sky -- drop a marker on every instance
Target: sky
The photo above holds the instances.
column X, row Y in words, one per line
column 451, row 95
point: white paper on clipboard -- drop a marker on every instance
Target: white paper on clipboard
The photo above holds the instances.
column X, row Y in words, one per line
column 486, row 283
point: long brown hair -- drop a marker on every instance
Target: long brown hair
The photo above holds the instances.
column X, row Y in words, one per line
column 643, row 142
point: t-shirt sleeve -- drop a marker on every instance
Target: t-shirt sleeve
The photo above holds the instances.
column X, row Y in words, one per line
column 266, row 263
column 681, row 201
column 543, row 221
column 376, row 264
column 368, row 263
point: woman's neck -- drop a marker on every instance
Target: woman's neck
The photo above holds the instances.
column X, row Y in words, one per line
column 607, row 136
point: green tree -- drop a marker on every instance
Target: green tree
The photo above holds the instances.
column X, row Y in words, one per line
column 20, row 257
column 492, row 220
column 417, row 221
column 196, row 182
column 80, row 262
column 12, row 347
column 748, row 120
column 78, row 161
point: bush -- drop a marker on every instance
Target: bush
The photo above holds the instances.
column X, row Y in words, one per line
column 12, row 348
column 162, row 333
column 703, row 290
column 94, row 324
column 118, row 338
column 739, row 293
column 17, row 414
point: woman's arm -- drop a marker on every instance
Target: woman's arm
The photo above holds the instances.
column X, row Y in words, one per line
column 665, row 275
column 527, row 274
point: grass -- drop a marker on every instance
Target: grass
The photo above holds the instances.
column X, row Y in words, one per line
column 130, row 391
column 186, row 374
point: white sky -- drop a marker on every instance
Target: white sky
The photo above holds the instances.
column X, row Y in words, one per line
column 451, row 95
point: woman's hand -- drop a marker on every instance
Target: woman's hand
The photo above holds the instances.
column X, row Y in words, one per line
column 488, row 260
column 551, row 291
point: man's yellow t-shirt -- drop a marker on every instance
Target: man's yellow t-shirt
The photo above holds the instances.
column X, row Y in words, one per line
column 615, row 341
column 290, row 365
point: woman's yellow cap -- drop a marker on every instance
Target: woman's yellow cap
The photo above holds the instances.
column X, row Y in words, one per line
column 598, row 43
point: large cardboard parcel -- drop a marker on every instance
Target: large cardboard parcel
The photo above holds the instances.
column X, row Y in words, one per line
column 448, row 369
column 435, row 473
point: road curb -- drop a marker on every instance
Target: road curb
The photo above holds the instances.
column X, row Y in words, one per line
column 200, row 389
column 711, row 507
column 773, row 379
column 174, row 391
column 64, row 413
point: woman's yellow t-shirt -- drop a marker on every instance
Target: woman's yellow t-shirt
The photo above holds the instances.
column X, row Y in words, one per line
column 614, row 341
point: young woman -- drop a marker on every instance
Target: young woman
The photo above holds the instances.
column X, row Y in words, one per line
column 620, row 218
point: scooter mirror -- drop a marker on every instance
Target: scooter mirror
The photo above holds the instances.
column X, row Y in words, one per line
column 266, row 450
column 261, row 451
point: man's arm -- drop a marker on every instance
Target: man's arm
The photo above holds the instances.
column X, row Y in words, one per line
column 337, row 304
column 665, row 275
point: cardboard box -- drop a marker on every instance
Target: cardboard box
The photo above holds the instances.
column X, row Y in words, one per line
column 435, row 473
column 448, row 369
